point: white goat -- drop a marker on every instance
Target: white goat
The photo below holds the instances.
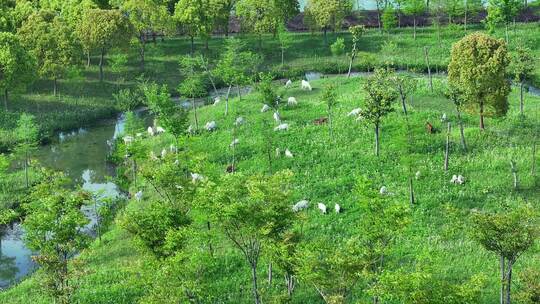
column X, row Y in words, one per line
column 444, row 118
column 288, row 84
column 292, row 101
column 383, row 190
column 306, row 85
column 458, row 179
column 288, row 154
column 277, row 117
column 278, row 152
column 190, row 129
column 301, row 205
column 210, row 126
column 163, row 153
column 128, row 140
column 217, row 100
column 265, row 108
column 322, row 207
column 235, row 142
column 150, row 131
column 196, row 177
column 355, row 112
column 337, row 208
column 418, row 175
column 153, row 156
column 139, row 195
column 282, row 127
column 160, row 130
column 239, row 121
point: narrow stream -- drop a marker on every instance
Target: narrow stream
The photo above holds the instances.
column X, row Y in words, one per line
column 81, row 155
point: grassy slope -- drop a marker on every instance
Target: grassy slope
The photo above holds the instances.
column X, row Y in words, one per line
column 325, row 170
column 84, row 100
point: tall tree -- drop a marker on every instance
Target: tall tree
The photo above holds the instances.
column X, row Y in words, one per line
column 478, row 67
column 147, row 17
column 414, row 8
column 27, row 134
column 502, row 11
column 379, row 101
column 509, row 234
column 327, row 14
column 522, row 66
column 54, row 230
column 52, row 43
column 196, row 18
column 102, row 30
column 356, row 31
column 16, row 65
column 252, row 212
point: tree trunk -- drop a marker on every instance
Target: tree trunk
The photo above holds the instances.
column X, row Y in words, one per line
column 206, row 46
column 227, row 100
column 239, row 93
column 377, row 149
column 482, row 126
column 426, row 54
column 353, row 56
column 192, row 46
column 270, row 273
column 88, row 59
column 447, row 150
column 521, row 98
column 506, row 32
column 289, row 281
column 282, row 56
column 195, row 114
column 533, row 165
column 462, row 132
column 142, row 52
column 6, row 97
column 509, row 282
column 55, row 86
column 325, row 36
column 411, row 191
column 466, row 13
column 255, row 288
column 503, row 283
column 514, row 173
column 26, row 169
column 414, row 27
column 101, row 59
column 210, row 248
column 403, row 103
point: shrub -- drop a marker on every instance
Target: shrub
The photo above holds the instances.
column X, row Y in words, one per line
column 338, row 47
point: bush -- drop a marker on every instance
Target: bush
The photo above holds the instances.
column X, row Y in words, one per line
column 338, row 47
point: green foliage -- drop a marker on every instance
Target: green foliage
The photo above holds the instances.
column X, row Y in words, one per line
column 522, row 64
column 128, row 99
column 338, row 47
column 266, row 90
column 389, row 19
column 172, row 117
column 237, row 66
column 15, row 63
column 196, row 17
column 54, row 229
column 502, row 11
column 325, row 14
column 478, row 67
column 133, row 124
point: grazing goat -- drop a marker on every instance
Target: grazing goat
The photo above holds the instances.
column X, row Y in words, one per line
column 288, row 84
column 139, row 196
column 173, row 149
column 190, row 129
column 210, row 126
column 431, row 129
column 163, row 153
column 278, row 152
column 160, row 130
column 306, row 85
column 153, row 156
column 217, row 100
column 355, row 112
column 282, row 127
column 457, row 179
column 417, row 175
column 383, row 190
column 239, row 121
column 150, row 131
column 292, row 101
column 196, row 177
column 322, row 207
column 277, row 117
column 265, row 108
column 128, row 140
column 301, row 205
column 288, row 154
column 320, row 121
column 444, row 118
column 235, row 142
column 337, row 208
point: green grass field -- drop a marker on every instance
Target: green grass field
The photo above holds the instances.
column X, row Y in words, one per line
column 326, row 169
column 84, row 100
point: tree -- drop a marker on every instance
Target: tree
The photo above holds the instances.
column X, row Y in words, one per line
column 389, row 19
column 27, row 134
column 52, row 43
column 327, row 14
column 16, row 65
column 356, row 31
column 54, row 230
column 330, row 98
column 509, row 234
column 252, row 212
column 471, row 8
column 478, row 67
column 379, row 101
column 286, row 39
column 406, row 86
column 382, row 221
column 522, row 66
column 502, row 11
column 455, row 95
column 223, row 14
column 414, row 8
column 102, row 30
column 236, row 66
column 146, row 17
column 193, row 84
column 196, row 18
